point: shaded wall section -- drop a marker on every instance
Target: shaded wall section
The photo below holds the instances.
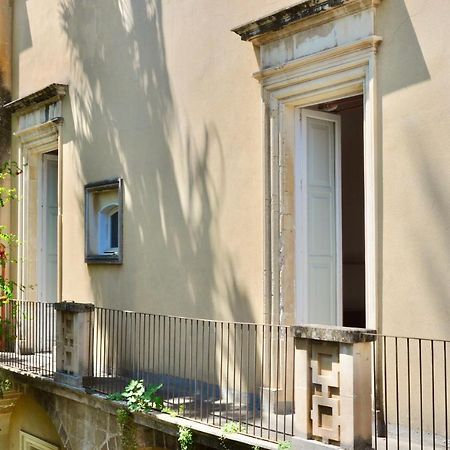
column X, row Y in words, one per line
column 414, row 85
column 30, row 417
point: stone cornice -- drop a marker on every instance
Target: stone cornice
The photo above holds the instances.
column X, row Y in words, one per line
column 35, row 99
column 299, row 17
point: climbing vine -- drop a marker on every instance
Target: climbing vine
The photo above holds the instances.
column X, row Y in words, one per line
column 137, row 398
column 8, row 170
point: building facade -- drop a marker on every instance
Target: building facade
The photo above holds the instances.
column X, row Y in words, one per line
column 248, row 162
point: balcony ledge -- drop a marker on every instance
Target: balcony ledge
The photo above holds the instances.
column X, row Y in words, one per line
column 330, row 333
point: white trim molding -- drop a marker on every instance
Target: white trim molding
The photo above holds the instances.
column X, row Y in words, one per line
column 30, row 442
column 35, row 141
column 325, row 76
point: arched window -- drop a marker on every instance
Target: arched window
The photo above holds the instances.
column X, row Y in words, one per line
column 104, row 222
column 108, row 229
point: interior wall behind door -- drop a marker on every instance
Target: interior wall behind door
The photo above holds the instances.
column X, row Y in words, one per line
column 353, row 254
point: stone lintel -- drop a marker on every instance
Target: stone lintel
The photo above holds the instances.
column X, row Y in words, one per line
column 54, row 90
column 74, row 307
column 284, row 17
column 331, row 333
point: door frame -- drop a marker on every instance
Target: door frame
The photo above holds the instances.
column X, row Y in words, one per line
column 42, row 225
column 33, row 142
column 302, row 212
column 332, row 74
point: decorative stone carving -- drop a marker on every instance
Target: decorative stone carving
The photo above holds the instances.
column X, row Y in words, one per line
column 325, row 414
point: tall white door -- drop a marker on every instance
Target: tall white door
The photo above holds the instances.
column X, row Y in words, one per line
column 47, row 290
column 318, row 219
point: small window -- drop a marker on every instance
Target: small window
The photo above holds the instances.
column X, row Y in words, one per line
column 30, row 442
column 108, row 230
column 104, row 222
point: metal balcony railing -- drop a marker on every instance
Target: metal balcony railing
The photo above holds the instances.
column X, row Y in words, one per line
column 27, row 337
column 212, row 371
column 252, row 375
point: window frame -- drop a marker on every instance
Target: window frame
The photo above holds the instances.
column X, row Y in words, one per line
column 28, row 441
column 96, row 252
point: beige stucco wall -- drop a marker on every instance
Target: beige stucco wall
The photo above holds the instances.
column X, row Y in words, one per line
column 30, row 417
column 161, row 93
column 414, row 84
column 177, row 114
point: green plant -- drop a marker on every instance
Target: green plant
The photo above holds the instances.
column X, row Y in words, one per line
column 185, row 438
column 137, row 399
column 284, row 445
column 5, row 385
column 255, row 447
column 127, row 429
column 228, row 428
column 231, row 427
column 169, row 411
column 8, row 170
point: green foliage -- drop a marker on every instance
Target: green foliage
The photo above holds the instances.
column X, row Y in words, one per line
column 137, row 399
column 116, row 396
column 140, row 399
column 231, row 427
column 185, row 438
column 8, row 170
column 169, row 411
column 228, row 428
column 5, row 385
column 127, row 429
column 284, row 445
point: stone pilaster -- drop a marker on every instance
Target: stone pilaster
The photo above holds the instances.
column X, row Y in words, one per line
column 73, row 327
column 332, row 387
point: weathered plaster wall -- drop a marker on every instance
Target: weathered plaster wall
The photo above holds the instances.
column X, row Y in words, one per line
column 30, row 416
column 161, row 93
column 414, row 85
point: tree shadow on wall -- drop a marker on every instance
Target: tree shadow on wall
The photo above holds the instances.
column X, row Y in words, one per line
column 125, row 121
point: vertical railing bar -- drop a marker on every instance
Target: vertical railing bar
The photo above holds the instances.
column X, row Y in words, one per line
column 278, row 327
column 385, row 391
column 375, row 403
column 445, row 396
column 255, row 368
column 208, row 372
column 240, row 374
column 261, row 407
column 221, row 373
column 269, row 388
column 234, row 370
column 202, row 373
column 191, row 365
column 293, row 385
column 174, row 362
column 420, row 391
column 248, row 379
column 397, row 406
column 214, row 374
column 227, row 388
column 125, row 338
column 285, row 381
column 179, row 368
column 139, row 345
column 196, row 369
column 169, row 340
column 185, row 364
column 432, row 396
column 409, row 392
